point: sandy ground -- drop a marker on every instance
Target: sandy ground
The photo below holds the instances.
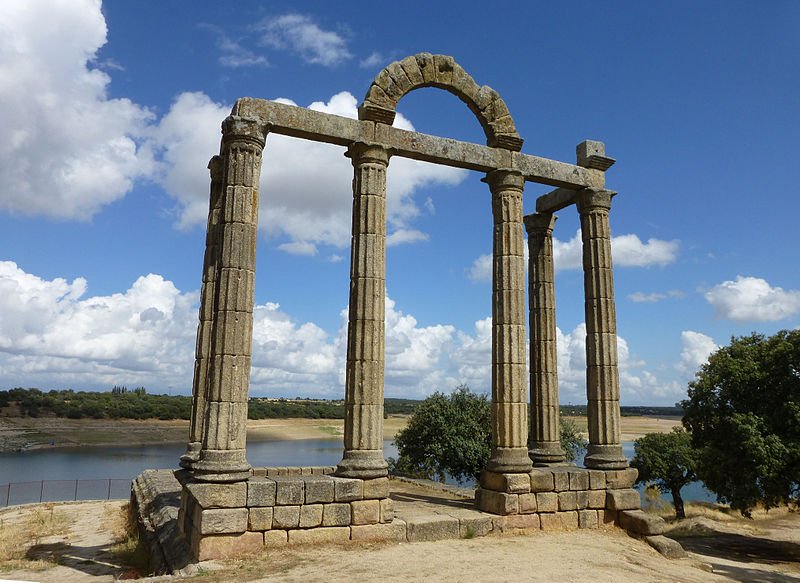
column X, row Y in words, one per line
column 766, row 549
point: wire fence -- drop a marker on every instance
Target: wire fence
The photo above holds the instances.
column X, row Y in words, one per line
column 15, row 493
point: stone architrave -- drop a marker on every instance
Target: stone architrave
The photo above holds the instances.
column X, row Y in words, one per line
column 602, row 375
column 363, row 427
column 544, row 439
column 509, row 399
column 223, row 454
column 205, row 327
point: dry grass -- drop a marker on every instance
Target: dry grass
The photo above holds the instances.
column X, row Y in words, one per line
column 17, row 536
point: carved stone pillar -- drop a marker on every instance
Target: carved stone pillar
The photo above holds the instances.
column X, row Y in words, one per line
column 544, row 439
column 363, row 424
column 205, row 327
column 509, row 402
column 602, row 375
column 223, row 454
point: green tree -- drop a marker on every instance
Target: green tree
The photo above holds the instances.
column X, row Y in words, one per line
column 572, row 442
column 668, row 461
column 743, row 412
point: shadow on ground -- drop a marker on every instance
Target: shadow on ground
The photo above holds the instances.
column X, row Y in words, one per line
column 93, row 560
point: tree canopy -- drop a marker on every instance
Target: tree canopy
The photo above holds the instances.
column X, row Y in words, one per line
column 668, row 461
column 743, row 412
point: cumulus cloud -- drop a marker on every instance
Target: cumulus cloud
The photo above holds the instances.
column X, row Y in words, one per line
column 696, row 348
column 299, row 34
column 641, row 297
column 68, row 150
column 233, row 53
column 752, row 299
column 627, row 251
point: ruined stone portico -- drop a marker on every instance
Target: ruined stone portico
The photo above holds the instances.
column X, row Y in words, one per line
column 226, row 505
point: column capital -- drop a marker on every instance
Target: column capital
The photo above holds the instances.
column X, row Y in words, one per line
column 366, row 152
column 590, row 199
column 216, row 167
column 504, row 179
column 540, row 223
column 244, row 129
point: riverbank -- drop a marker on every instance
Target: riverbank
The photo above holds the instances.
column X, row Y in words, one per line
column 25, row 433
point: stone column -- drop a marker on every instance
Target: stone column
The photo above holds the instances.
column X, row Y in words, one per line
column 363, row 424
column 544, row 440
column 205, row 327
column 602, row 375
column 223, row 455
column 509, row 402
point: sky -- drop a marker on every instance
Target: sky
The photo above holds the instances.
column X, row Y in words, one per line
column 110, row 113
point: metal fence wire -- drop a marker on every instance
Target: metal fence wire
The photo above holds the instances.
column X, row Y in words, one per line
column 15, row 493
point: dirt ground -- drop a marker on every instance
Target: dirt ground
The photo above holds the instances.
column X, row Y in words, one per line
column 721, row 548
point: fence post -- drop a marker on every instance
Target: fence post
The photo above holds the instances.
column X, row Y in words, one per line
column 41, row 492
column 8, row 494
column 75, row 499
column 108, row 496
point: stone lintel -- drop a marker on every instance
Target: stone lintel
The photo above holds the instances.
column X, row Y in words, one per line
column 555, row 200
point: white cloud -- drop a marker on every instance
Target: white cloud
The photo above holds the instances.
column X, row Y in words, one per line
column 375, row 59
column 68, row 150
column 696, row 348
column 752, row 299
column 401, row 236
column 299, row 248
column 233, row 53
column 299, row 34
column 653, row 297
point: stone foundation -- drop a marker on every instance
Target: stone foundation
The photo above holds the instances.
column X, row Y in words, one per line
column 279, row 505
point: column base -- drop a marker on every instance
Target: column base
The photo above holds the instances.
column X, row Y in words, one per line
column 547, row 453
column 192, row 455
column 221, row 465
column 509, row 460
column 362, row 463
column 605, row 457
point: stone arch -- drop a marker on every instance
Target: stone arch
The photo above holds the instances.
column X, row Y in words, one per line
column 427, row 70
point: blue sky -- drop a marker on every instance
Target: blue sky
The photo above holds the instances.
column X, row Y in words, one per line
column 111, row 112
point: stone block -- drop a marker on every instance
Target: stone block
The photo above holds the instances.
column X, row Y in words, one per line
column 547, row 501
column 587, row 519
column 259, row 473
column 433, row 527
column 290, row 491
column 597, row 480
column 222, row 521
column 275, row 538
column 640, row 522
column 627, row 499
column 578, row 480
column 294, row 471
column 208, row 495
column 499, row 502
column 567, row 501
column 597, row 499
column 550, row 521
column 310, row 515
column 260, row 518
column 618, row 479
column 285, row 517
column 387, row 510
column 376, row 488
column 260, row 492
column 319, row 489
column 275, row 471
column 365, row 511
column 348, row 489
column 207, row 548
column 527, row 503
column 335, row 534
column 337, row 514
column 508, row 483
column 516, row 522
column 394, row 532
column 541, row 480
column 671, row 549
column 305, row 471
column 469, row 527
column 569, row 520
column 606, row 518
column 582, row 499
column 560, row 479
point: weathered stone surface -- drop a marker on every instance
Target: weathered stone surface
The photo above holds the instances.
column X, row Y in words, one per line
column 587, row 519
column 208, row 548
column 499, row 502
column 567, row 501
column 365, row 511
column 347, row 490
column 394, row 532
column 260, row 518
column 310, row 515
column 578, row 480
column 286, row 517
column 626, row 499
column 328, row 535
column 606, row 518
column 597, row 480
column 222, row 521
column 435, row 527
column 260, row 492
column 582, row 499
column 527, row 503
column 560, row 479
column 569, row 519
column 640, row 522
column 319, row 489
column 541, row 480
column 376, row 488
column 597, row 499
column 547, row 501
column 550, row 521
column 617, row 479
column 275, row 538
column 469, row 527
column 671, row 549
column 337, row 514
column 218, row 495
column 508, row 483
column 290, row 491
column 516, row 522
column 387, row 510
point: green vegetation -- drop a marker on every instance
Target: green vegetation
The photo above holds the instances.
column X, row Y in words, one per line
column 573, row 444
column 743, row 412
column 667, row 461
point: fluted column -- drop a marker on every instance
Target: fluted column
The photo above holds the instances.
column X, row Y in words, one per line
column 544, row 439
column 509, row 402
column 223, row 454
column 602, row 375
column 363, row 424
column 205, row 326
